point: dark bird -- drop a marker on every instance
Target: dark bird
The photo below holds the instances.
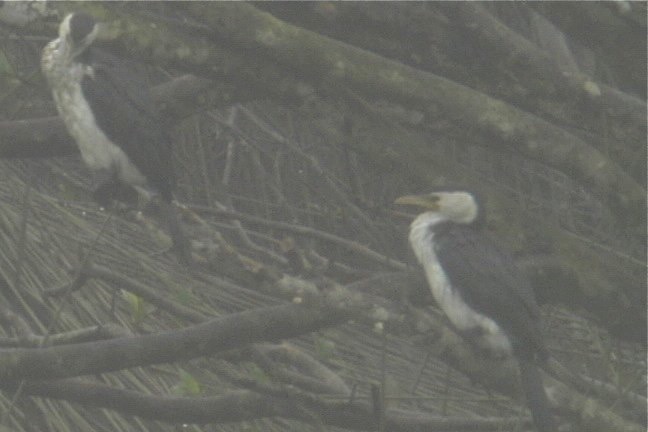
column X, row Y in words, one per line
column 111, row 116
column 480, row 288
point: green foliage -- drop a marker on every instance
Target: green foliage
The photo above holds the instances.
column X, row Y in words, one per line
column 5, row 66
column 183, row 297
column 259, row 375
column 139, row 309
column 188, row 385
column 324, row 348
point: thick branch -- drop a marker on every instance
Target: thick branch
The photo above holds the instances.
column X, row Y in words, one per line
column 326, row 61
column 246, row 405
column 329, row 62
column 476, row 18
column 214, row 336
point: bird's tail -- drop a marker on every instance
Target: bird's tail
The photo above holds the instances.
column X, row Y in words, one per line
column 536, row 397
column 181, row 243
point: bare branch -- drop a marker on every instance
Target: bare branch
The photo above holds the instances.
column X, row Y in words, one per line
column 107, row 331
column 312, row 232
column 214, row 336
column 246, row 405
column 371, row 74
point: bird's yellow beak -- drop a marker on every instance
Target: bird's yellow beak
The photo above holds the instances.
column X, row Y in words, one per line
column 429, row 202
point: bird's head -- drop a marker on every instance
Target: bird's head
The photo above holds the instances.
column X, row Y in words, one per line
column 77, row 32
column 460, row 207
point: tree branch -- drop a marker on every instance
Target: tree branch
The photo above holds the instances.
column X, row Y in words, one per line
column 217, row 335
column 327, row 61
column 235, row 406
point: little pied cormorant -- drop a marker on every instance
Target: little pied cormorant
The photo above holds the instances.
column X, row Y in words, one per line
column 113, row 120
column 479, row 287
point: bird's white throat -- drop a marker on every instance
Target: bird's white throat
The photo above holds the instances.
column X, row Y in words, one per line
column 462, row 316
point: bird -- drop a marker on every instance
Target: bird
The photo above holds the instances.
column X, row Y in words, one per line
column 110, row 114
column 479, row 287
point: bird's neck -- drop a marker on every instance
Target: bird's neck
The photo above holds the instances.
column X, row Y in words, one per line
column 425, row 222
column 421, row 235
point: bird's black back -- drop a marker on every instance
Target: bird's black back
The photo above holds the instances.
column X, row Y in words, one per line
column 490, row 282
column 124, row 110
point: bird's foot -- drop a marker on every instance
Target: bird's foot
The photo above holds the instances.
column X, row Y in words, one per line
column 107, row 191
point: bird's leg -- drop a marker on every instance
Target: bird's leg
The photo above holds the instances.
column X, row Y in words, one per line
column 103, row 182
column 474, row 339
column 107, row 189
column 181, row 243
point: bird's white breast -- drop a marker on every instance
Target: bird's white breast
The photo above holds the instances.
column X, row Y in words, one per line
column 97, row 151
column 462, row 316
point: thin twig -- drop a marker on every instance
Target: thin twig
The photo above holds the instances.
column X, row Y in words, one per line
column 311, row 232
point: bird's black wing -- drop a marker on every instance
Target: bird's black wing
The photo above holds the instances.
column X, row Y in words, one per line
column 125, row 112
column 490, row 282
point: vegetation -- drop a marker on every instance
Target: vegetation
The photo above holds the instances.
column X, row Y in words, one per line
column 295, row 126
